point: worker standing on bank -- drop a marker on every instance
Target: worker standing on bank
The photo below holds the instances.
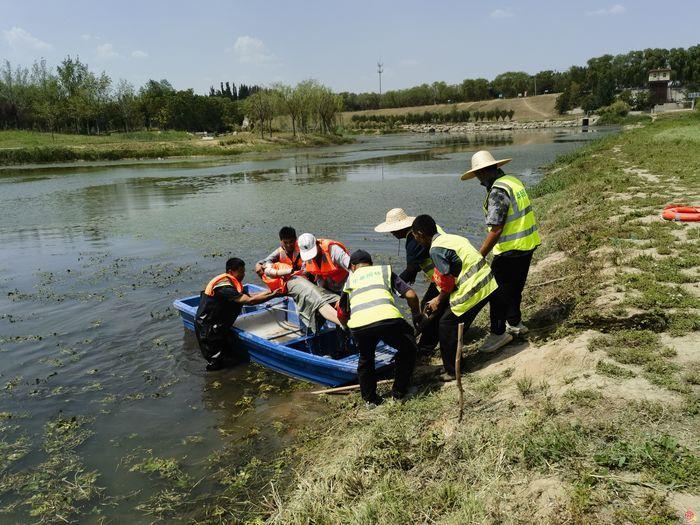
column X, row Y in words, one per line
column 465, row 283
column 418, row 260
column 220, row 304
column 367, row 304
column 512, row 236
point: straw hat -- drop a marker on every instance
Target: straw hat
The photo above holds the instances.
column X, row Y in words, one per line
column 480, row 160
column 396, row 220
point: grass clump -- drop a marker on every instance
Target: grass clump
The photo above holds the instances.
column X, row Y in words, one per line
column 584, row 397
column 608, row 369
column 629, row 347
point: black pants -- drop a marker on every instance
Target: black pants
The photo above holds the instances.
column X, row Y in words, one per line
column 216, row 344
column 448, row 332
column 396, row 333
column 431, row 331
column 510, row 273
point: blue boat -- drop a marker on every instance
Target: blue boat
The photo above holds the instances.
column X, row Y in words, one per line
column 273, row 336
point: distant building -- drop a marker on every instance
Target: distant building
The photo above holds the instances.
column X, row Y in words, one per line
column 659, row 81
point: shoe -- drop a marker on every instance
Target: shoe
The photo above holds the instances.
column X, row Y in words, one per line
column 494, row 342
column 403, row 396
column 446, row 377
column 373, row 402
column 517, row 330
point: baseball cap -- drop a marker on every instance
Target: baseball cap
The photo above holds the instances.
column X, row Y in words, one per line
column 307, row 246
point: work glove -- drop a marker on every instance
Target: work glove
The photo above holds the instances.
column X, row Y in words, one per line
column 419, row 321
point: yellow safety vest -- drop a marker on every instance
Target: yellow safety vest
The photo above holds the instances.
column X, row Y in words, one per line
column 427, row 264
column 475, row 281
column 371, row 300
column 520, row 230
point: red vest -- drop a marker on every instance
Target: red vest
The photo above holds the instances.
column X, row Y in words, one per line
column 221, row 280
column 295, row 262
column 279, row 282
column 328, row 269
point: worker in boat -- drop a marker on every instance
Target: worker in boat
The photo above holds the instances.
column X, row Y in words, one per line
column 326, row 260
column 398, row 223
column 367, row 303
column 464, row 280
column 220, row 304
column 512, row 236
column 286, row 253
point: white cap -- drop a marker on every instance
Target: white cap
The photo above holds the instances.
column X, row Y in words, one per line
column 308, row 248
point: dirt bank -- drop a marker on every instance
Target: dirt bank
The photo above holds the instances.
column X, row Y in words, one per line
column 595, row 418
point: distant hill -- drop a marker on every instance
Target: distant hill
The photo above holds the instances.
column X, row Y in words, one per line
column 530, row 108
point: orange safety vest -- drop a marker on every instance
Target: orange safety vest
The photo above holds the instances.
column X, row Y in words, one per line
column 279, row 282
column 220, row 280
column 295, row 262
column 328, row 269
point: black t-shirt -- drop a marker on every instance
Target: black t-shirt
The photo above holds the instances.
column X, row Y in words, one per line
column 415, row 254
column 221, row 309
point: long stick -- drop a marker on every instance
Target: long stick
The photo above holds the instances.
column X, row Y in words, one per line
column 458, row 368
column 346, row 389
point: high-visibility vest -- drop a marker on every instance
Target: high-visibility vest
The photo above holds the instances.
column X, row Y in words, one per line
column 223, row 279
column 475, row 281
column 327, row 269
column 426, row 265
column 371, row 300
column 520, row 230
column 295, row 261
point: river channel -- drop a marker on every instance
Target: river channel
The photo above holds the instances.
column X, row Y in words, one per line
column 93, row 255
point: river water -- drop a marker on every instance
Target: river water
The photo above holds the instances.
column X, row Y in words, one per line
column 93, row 255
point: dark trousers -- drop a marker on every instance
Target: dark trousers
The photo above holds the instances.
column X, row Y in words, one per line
column 396, row 333
column 429, row 337
column 218, row 345
column 448, row 332
column 510, row 273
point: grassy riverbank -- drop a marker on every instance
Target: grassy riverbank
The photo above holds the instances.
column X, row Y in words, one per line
column 26, row 147
column 596, row 418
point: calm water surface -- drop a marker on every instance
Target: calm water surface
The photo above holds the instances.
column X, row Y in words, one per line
column 93, row 255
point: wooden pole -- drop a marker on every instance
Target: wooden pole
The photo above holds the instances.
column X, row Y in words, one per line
column 346, row 389
column 458, row 368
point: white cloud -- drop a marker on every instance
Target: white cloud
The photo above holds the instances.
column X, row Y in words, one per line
column 106, row 52
column 502, row 13
column 616, row 9
column 19, row 39
column 251, row 50
column 139, row 55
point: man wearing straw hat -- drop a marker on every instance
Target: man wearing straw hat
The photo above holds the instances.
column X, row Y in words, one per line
column 398, row 223
column 512, row 236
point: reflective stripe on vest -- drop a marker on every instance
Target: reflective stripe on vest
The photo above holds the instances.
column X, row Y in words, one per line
column 426, row 265
column 475, row 281
column 328, row 268
column 371, row 300
column 223, row 279
column 520, row 230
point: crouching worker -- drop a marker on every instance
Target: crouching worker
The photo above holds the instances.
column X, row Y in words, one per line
column 465, row 282
column 367, row 302
column 220, row 304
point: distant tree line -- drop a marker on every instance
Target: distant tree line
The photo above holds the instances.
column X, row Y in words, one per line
column 308, row 106
column 74, row 99
column 231, row 92
column 435, row 117
column 591, row 86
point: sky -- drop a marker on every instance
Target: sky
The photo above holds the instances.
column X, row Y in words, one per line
column 198, row 44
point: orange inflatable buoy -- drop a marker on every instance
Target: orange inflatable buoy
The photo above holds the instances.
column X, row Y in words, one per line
column 676, row 212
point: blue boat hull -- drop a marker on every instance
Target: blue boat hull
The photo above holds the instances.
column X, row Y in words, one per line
column 299, row 357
